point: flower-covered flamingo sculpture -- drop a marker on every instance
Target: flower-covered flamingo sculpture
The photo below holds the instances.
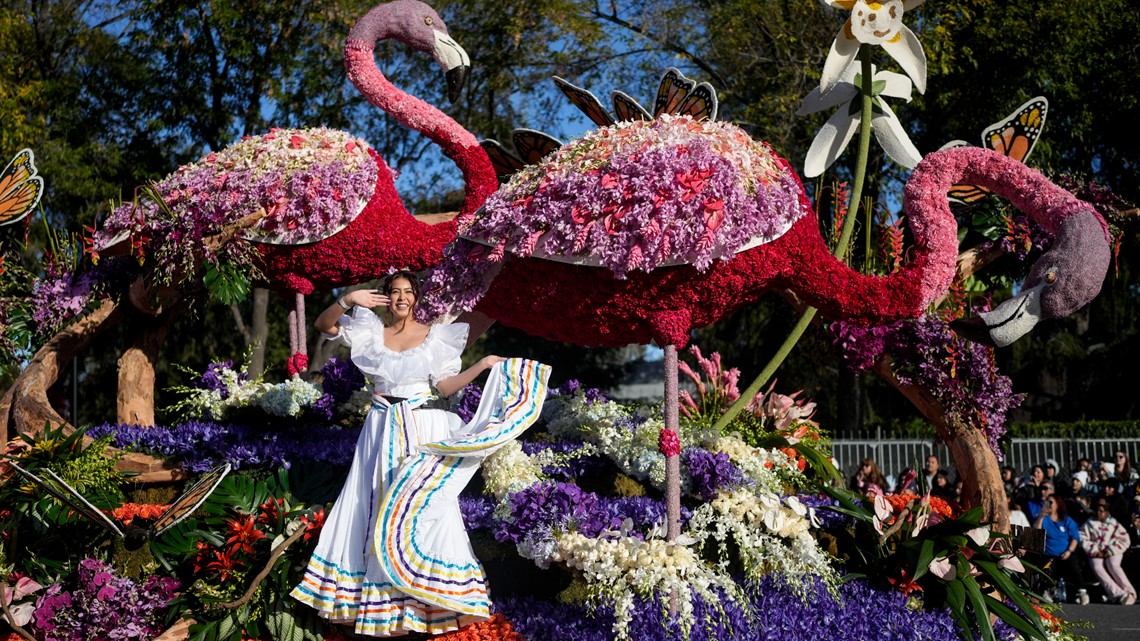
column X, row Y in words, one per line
column 646, row 229
column 329, row 211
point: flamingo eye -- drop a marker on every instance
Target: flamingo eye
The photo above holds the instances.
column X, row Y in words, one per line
column 1051, row 276
column 429, row 21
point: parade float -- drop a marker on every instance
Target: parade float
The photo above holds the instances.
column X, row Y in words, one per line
column 714, row 515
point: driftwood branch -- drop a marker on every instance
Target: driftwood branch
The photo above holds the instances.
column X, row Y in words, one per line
column 277, row 552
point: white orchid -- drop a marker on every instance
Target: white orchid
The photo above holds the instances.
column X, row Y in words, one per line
column 875, row 23
column 837, row 132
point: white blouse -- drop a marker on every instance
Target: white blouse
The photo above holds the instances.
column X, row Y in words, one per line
column 406, row 373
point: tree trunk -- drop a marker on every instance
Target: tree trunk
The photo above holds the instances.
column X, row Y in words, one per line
column 260, row 332
column 973, row 458
column 135, row 400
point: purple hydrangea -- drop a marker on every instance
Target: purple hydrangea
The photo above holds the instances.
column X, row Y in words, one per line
column 211, row 379
column 340, row 380
column 710, row 472
column 549, row 504
column 572, row 386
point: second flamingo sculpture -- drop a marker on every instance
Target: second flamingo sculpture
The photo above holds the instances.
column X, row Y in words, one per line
column 330, row 213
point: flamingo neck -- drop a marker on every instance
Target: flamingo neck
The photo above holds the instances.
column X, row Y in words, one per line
column 458, row 143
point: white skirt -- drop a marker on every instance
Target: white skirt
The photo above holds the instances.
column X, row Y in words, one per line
column 393, row 556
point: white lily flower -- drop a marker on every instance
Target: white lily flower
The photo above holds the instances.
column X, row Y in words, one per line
column 837, row 132
column 875, row 23
column 943, row 568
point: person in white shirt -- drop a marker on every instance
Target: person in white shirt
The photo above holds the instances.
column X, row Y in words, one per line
column 1105, row 541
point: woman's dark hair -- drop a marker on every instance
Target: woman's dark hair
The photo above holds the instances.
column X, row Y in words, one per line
column 407, row 275
column 1061, row 511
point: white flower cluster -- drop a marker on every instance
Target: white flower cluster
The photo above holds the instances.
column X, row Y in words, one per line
column 509, row 470
column 771, row 535
column 289, row 398
column 616, row 569
column 358, row 405
column 771, row 470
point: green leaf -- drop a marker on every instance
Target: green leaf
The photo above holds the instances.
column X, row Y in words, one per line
column 1011, row 590
column 878, row 86
column 820, row 463
column 1019, row 623
column 981, row 612
column 956, row 598
column 925, row 556
column 281, row 625
column 226, row 284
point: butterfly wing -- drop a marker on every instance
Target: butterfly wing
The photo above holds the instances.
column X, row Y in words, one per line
column 20, row 188
column 67, row 494
column 586, row 101
column 626, row 108
column 506, row 164
column 1016, row 135
column 532, row 146
column 700, row 103
column 671, row 93
column 190, row 500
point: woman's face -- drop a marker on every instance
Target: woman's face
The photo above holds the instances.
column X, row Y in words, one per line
column 401, row 298
column 1038, row 474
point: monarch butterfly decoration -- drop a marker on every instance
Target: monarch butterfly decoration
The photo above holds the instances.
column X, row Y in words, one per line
column 134, row 536
column 676, row 95
column 1013, row 136
column 20, row 188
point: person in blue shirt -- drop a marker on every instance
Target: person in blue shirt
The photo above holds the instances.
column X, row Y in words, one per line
column 1062, row 537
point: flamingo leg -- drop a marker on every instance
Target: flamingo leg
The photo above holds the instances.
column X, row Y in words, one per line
column 672, row 463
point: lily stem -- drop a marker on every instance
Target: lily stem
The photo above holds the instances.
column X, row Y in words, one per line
column 840, row 248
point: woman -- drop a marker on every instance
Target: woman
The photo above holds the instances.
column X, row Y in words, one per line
column 394, row 556
column 1106, row 541
column 869, row 479
column 1124, row 470
column 1062, row 537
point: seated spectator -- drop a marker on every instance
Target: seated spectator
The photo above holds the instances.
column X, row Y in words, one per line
column 941, row 486
column 1041, row 497
column 1117, row 504
column 869, row 479
column 1124, row 470
column 1106, row 541
column 907, row 481
column 1077, row 500
column 1132, row 556
column 1062, row 537
column 1016, row 516
column 1052, row 469
column 1009, row 480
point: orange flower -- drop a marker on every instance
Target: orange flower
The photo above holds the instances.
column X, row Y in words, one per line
column 127, row 513
column 939, row 506
column 497, row 628
column 904, row 584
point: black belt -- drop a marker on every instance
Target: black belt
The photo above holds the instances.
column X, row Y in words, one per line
column 433, row 404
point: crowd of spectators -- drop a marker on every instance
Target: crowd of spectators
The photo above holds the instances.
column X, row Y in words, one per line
column 1090, row 516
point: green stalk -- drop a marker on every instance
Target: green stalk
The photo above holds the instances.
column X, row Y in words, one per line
column 840, row 249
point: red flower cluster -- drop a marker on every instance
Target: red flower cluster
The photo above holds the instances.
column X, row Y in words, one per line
column 313, row 527
column 497, row 628
column 668, row 443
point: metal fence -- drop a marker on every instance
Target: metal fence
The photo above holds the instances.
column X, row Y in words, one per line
column 895, row 455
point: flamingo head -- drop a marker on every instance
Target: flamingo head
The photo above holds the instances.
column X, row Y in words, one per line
column 1065, row 279
column 420, row 27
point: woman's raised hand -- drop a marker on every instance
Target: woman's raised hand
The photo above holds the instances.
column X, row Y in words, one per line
column 366, row 298
column 487, row 362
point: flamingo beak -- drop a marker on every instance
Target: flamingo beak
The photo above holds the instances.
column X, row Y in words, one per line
column 1005, row 323
column 454, row 61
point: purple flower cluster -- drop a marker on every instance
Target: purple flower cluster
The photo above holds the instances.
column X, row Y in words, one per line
column 572, row 469
column 103, row 606
column 773, row 612
column 549, row 504
column 200, row 445
column 572, row 386
column 827, row 518
column 927, row 354
column 468, row 402
column 710, row 472
column 478, row 511
column 212, row 378
column 340, row 379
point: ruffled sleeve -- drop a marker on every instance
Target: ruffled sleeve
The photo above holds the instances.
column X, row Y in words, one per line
column 358, row 328
column 447, row 344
